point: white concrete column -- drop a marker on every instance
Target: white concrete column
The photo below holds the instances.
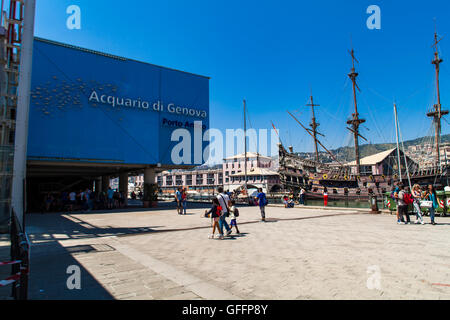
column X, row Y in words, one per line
column 22, row 114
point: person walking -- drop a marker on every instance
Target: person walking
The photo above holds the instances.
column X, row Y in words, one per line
column 110, row 195
column 394, row 195
column 234, row 213
column 89, row 196
column 224, row 201
column 83, row 200
column 215, row 213
column 431, row 195
column 178, row 199
column 417, row 196
column 184, row 200
column 325, row 196
column 302, row 196
column 116, row 198
column 402, row 205
column 261, row 197
column 73, row 200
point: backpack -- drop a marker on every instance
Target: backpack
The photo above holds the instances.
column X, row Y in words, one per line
column 407, row 198
column 236, row 212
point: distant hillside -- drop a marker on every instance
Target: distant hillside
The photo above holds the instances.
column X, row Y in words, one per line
column 347, row 154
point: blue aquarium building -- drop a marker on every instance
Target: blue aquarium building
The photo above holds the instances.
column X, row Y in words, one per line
column 94, row 116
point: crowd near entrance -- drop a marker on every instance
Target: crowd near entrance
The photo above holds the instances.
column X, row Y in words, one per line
column 79, row 187
column 45, row 195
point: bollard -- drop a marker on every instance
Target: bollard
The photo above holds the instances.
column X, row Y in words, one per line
column 374, row 205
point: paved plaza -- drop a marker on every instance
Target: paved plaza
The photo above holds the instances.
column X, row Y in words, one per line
column 297, row 254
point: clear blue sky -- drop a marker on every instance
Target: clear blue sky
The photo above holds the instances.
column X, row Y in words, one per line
column 273, row 52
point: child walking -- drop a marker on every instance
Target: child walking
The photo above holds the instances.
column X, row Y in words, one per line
column 234, row 213
column 215, row 212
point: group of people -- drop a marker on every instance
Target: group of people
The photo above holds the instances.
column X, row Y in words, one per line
column 290, row 200
column 224, row 207
column 86, row 200
column 419, row 198
column 135, row 195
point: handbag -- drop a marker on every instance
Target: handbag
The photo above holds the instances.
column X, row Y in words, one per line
column 426, row 204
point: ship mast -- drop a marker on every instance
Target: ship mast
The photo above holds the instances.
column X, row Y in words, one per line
column 245, row 146
column 314, row 126
column 437, row 114
column 309, row 132
column 355, row 122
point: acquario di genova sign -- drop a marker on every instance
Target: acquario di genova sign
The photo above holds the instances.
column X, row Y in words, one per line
column 158, row 106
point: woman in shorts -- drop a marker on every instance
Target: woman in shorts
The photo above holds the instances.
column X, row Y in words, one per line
column 417, row 196
column 215, row 212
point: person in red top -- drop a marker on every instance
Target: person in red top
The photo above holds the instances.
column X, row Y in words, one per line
column 184, row 199
column 325, row 196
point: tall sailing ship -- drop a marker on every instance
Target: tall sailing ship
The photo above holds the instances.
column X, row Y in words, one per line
column 373, row 175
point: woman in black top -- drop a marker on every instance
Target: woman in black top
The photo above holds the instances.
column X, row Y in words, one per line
column 215, row 212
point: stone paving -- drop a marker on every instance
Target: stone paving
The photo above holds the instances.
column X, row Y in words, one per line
column 299, row 253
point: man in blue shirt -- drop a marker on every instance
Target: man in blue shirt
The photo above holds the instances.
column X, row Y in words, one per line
column 262, row 203
column 110, row 195
column 178, row 200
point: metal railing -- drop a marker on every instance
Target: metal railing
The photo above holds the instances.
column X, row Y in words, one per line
column 20, row 250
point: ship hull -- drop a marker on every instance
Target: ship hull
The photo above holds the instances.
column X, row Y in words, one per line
column 296, row 173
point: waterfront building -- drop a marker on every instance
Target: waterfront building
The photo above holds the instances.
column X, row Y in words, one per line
column 383, row 163
column 196, row 181
column 261, row 172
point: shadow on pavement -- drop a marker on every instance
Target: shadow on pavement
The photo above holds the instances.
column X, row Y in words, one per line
column 269, row 220
column 162, row 206
column 48, row 274
column 55, row 227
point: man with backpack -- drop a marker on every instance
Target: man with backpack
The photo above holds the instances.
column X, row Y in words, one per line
column 225, row 203
column 403, row 205
column 262, row 203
